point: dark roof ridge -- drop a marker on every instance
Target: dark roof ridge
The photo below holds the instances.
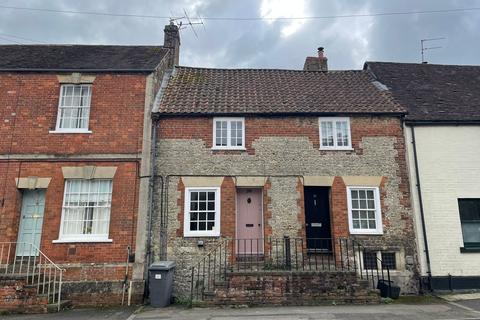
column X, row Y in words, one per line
column 270, row 69
column 424, row 64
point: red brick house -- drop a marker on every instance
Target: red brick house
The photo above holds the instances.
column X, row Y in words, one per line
column 281, row 186
column 74, row 155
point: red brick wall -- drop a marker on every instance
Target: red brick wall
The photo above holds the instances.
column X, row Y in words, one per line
column 29, row 108
column 256, row 127
column 228, row 193
column 122, row 218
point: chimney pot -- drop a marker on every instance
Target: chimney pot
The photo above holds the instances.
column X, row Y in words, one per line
column 316, row 64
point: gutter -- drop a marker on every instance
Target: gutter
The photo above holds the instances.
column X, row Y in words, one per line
column 274, row 114
column 33, row 70
column 422, row 213
column 441, row 122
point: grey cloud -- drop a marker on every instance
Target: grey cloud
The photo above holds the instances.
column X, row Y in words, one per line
column 258, row 44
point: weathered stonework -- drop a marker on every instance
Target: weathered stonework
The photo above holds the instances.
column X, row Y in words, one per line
column 293, row 288
column 283, row 150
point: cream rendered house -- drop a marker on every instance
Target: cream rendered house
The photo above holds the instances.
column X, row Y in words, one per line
column 442, row 131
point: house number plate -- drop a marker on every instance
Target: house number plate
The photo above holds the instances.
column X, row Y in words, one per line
column 316, row 224
column 158, row 276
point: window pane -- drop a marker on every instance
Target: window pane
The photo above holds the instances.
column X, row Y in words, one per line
column 327, row 133
column 363, row 209
column 369, row 260
column 74, row 107
column 470, row 219
column 86, row 207
column 389, row 260
column 342, row 133
column 202, row 210
column 471, row 232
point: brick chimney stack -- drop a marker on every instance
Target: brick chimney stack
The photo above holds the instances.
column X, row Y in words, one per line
column 171, row 41
column 316, row 63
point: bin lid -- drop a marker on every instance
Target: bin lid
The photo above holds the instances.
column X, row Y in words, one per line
column 162, row 265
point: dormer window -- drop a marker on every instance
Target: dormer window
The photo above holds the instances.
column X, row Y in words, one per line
column 335, row 133
column 229, row 133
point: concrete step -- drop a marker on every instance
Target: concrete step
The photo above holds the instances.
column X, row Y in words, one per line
column 64, row 304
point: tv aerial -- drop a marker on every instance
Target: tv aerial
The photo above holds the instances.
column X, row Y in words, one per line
column 422, row 43
column 184, row 21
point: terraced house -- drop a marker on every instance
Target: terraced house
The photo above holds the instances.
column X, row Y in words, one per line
column 281, row 186
column 75, row 131
column 443, row 145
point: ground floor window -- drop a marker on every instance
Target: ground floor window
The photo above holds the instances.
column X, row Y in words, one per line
column 202, row 212
column 470, row 219
column 373, row 259
column 364, row 212
column 86, row 209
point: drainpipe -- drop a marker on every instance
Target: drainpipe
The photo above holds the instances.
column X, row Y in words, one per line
column 420, row 202
column 151, row 190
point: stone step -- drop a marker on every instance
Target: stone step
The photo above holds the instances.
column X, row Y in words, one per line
column 64, row 304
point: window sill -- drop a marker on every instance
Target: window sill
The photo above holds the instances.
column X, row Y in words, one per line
column 201, row 235
column 79, row 240
column 367, row 232
column 337, row 149
column 70, row 131
column 470, row 250
column 228, row 148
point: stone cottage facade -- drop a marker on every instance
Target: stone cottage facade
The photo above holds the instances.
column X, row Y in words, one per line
column 258, row 154
column 72, row 153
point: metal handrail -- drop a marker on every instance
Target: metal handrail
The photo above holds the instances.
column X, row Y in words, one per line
column 47, row 281
column 297, row 254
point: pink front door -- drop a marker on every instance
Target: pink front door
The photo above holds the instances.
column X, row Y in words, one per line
column 249, row 221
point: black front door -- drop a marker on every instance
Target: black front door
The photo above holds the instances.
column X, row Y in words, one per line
column 317, row 219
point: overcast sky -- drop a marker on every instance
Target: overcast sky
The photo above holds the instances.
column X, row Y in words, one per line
column 348, row 42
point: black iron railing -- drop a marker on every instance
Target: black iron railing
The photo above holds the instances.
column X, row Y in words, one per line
column 282, row 254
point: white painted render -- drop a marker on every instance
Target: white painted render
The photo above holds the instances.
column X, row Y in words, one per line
column 449, row 168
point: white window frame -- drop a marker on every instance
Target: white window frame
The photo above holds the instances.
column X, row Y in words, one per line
column 72, row 130
column 334, row 129
column 229, row 141
column 378, row 211
column 63, row 238
column 186, row 213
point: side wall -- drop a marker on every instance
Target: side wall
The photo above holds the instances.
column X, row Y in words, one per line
column 449, row 168
column 283, row 151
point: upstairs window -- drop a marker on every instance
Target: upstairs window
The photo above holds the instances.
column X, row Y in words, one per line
column 74, row 108
column 364, row 210
column 228, row 133
column 470, row 219
column 335, row 133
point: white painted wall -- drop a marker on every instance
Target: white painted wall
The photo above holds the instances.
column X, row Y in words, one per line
column 449, row 168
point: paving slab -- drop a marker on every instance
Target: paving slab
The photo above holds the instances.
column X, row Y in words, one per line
column 370, row 312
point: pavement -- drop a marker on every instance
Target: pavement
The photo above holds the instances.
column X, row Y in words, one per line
column 456, row 309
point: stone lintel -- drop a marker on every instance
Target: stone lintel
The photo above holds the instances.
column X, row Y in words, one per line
column 202, row 181
column 89, row 172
